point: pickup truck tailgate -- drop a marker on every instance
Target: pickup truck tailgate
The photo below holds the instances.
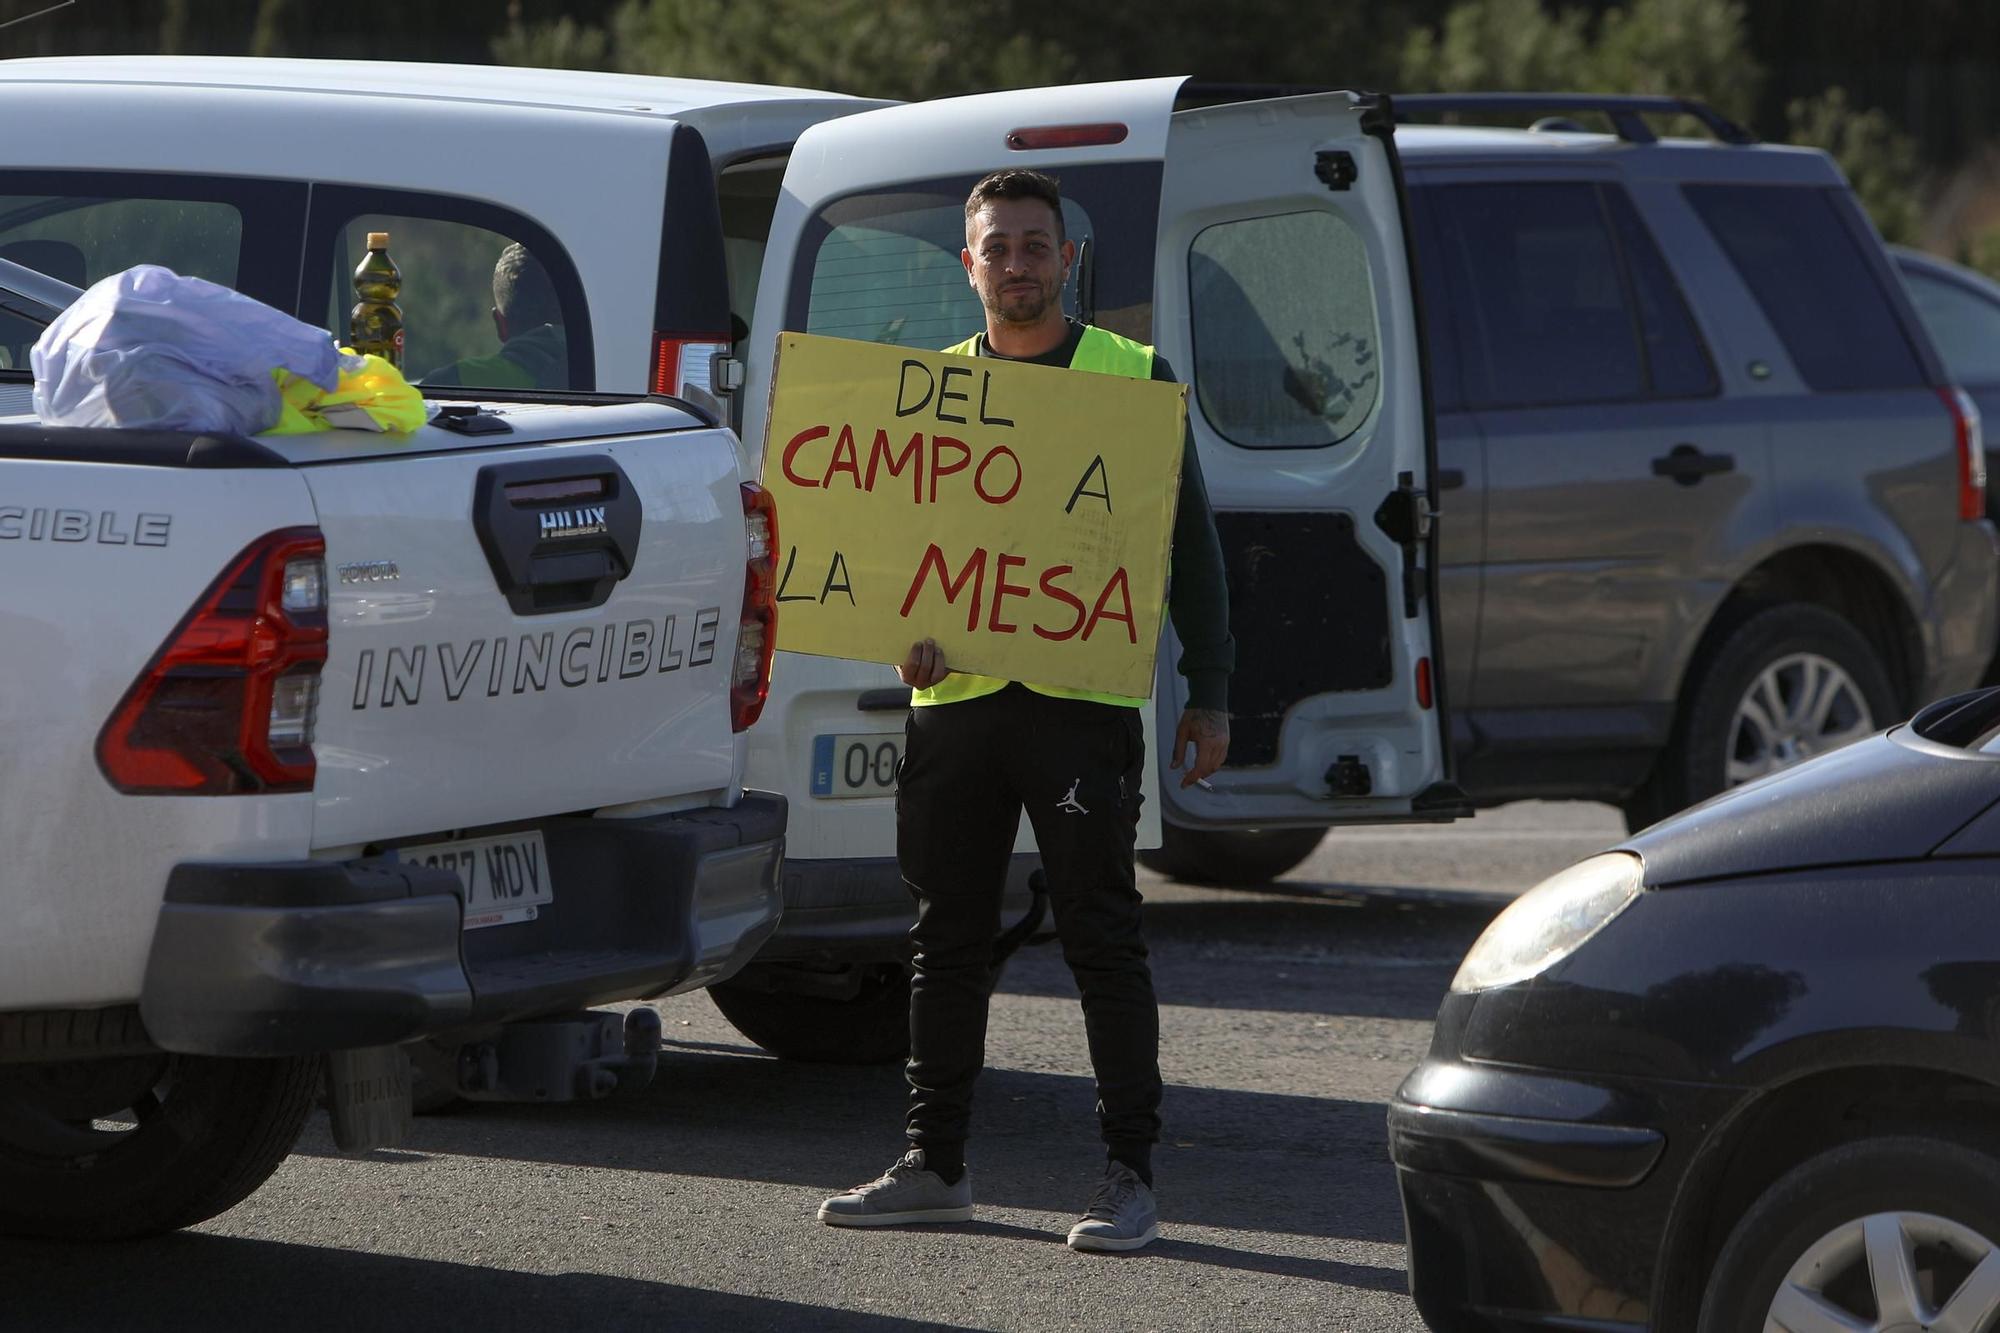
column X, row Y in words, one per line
column 569, row 648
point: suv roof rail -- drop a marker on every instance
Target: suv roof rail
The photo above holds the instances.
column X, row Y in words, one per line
column 1626, row 113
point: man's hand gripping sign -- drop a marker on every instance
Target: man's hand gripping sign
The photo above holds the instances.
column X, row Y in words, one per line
column 1019, row 515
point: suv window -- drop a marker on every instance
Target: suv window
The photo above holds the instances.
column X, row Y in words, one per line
column 1285, row 338
column 1964, row 325
column 463, row 263
column 884, row 267
column 1799, row 250
column 1543, row 317
column 1560, row 296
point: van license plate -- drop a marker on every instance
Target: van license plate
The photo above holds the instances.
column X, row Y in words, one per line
column 856, row 765
column 506, row 877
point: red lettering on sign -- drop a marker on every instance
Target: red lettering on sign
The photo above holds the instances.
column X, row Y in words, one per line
column 1002, row 590
column 979, row 477
column 1050, row 588
column 800, row 441
column 844, row 459
column 938, row 468
column 973, row 573
column 913, row 452
column 1125, row 599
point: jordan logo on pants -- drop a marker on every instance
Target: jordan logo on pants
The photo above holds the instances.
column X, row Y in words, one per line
column 1070, row 803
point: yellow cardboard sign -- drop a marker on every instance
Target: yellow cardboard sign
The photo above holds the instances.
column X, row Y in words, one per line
column 1018, row 514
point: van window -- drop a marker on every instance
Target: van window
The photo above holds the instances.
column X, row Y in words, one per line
column 896, row 276
column 884, row 266
column 1285, row 339
column 83, row 226
column 489, row 299
column 1964, row 325
column 1543, row 317
column 1803, row 260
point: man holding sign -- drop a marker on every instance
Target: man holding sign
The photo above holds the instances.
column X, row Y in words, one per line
column 981, row 749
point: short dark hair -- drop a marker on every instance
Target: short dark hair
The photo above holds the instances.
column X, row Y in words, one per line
column 522, row 290
column 1016, row 183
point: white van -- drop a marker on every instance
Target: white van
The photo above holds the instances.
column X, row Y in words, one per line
column 1259, row 243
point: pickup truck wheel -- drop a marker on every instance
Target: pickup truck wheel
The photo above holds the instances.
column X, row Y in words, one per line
column 1238, row 857
column 871, row 1027
column 1787, row 683
column 121, row 1148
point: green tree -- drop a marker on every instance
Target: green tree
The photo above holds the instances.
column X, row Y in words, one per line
column 1879, row 159
column 1695, row 48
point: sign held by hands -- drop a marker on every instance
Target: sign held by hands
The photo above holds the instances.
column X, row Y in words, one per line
column 1018, row 514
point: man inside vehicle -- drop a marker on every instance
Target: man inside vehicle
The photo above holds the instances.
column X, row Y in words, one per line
column 528, row 319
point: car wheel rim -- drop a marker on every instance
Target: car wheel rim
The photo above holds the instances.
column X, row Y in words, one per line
column 1799, row 706
column 1892, row 1273
column 75, row 1114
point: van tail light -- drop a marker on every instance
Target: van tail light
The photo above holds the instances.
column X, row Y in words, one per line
column 1971, row 452
column 1426, row 695
column 227, row 706
column 757, row 632
column 680, row 364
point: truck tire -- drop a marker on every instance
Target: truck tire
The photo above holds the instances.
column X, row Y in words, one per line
column 872, row 1027
column 1925, row 1210
column 133, row 1146
column 1748, row 706
column 1239, row 857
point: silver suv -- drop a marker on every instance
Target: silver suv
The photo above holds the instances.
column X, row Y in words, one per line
column 1712, row 503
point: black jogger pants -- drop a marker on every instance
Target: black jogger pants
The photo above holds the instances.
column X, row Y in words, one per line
column 969, row 769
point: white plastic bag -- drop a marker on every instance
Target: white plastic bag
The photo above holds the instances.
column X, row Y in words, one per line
column 148, row 349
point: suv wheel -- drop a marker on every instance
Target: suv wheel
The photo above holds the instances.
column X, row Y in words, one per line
column 1789, row 682
column 1240, row 857
column 135, row 1145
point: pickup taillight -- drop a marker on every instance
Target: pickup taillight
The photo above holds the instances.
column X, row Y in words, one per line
column 226, row 707
column 1971, row 441
column 757, row 632
column 683, row 363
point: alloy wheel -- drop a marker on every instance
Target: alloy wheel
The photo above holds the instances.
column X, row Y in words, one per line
column 1801, row 705
column 1892, row 1273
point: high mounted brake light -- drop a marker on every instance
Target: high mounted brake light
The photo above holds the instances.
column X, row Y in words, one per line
column 1970, row 437
column 226, row 707
column 1066, row 136
column 757, row 632
column 686, row 362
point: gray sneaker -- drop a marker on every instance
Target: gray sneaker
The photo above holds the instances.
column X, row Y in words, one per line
column 1121, row 1216
column 903, row 1194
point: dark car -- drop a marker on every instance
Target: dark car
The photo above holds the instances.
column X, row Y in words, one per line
column 1740, row 1073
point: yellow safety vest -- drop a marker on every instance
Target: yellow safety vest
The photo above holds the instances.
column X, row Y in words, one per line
column 1104, row 353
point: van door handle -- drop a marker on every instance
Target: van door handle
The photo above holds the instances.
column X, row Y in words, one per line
column 1688, row 465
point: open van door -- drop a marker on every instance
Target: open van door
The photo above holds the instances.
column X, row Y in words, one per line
column 1285, row 298
column 1336, row 721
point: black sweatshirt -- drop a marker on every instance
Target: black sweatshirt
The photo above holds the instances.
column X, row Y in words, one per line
column 1198, row 595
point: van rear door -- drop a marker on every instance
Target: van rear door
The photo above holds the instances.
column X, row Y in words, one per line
column 865, row 244
column 1285, row 298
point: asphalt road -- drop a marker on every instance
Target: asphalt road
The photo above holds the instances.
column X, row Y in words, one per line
column 1288, row 1019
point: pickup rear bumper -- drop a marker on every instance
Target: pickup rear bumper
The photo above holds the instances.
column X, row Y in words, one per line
column 294, row 958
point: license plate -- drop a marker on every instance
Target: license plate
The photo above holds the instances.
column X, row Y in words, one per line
column 856, row 765
column 506, row 877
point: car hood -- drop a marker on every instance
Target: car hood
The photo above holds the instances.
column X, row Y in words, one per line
column 1896, row 796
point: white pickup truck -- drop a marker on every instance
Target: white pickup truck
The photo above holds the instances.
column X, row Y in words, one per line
column 315, row 746
column 1259, row 242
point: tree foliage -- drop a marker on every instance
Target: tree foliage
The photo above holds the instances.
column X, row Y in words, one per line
column 1879, row 159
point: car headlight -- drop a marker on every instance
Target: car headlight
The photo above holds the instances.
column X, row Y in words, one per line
column 1551, row 921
